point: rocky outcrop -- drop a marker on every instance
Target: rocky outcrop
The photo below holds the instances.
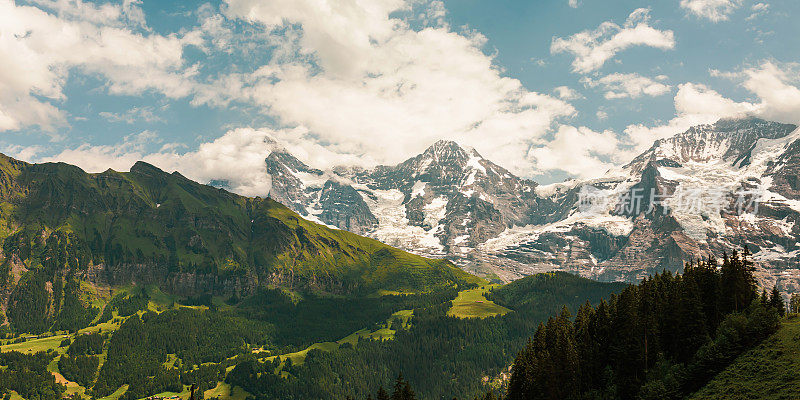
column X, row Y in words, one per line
column 343, row 207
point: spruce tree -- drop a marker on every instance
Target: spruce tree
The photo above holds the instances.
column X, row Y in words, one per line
column 776, row 301
column 382, row 395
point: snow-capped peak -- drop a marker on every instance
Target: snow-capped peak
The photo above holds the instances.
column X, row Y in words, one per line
column 729, row 140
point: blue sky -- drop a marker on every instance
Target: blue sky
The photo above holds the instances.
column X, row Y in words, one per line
column 549, row 89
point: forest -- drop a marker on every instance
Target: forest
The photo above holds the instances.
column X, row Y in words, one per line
column 565, row 337
column 661, row 339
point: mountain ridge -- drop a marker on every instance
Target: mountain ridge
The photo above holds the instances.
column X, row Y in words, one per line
column 60, row 224
column 449, row 201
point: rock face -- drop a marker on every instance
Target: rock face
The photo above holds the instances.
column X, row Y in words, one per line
column 443, row 202
column 343, row 206
column 709, row 190
column 322, row 197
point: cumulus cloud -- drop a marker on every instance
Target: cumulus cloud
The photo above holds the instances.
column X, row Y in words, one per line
column 39, row 49
column 364, row 81
column 713, row 10
column 592, row 48
column 620, row 86
column 695, row 104
column 579, row 151
column 237, row 157
column 774, row 86
column 567, row 93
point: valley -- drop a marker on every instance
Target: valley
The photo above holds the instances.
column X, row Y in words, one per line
column 134, row 285
column 399, row 200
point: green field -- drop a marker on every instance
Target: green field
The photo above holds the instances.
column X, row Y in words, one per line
column 473, row 304
column 225, row 391
column 769, row 371
column 117, row 394
column 35, row 345
column 385, row 333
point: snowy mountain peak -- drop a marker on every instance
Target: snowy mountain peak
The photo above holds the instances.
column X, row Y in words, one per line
column 675, row 201
column 730, row 140
column 442, row 153
column 444, row 146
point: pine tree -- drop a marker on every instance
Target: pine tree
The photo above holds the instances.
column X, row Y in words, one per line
column 794, row 303
column 776, row 301
column 402, row 390
column 382, row 395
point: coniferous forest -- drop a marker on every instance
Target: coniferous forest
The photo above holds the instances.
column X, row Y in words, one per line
column 566, row 338
column 661, row 339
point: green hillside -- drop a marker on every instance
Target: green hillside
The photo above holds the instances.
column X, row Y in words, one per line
column 769, row 371
column 61, row 228
column 553, row 289
column 281, row 344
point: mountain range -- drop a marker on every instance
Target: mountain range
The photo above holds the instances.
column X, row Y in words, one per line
column 698, row 194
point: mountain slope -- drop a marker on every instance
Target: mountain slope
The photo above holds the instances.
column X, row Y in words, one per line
column 702, row 192
column 767, row 372
column 60, row 224
column 442, row 202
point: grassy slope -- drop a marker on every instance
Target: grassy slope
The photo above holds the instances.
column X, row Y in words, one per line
column 535, row 286
column 472, row 303
column 770, row 371
column 148, row 214
column 225, row 391
column 384, row 333
column 35, row 345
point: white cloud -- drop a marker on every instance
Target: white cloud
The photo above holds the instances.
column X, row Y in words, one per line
column 566, row 93
column 713, row 10
column 592, row 48
column 238, row 157
column 620, row 86
column 364, row 83
column 574, row 3
column 580, row 152
column 758, row 10
column 39, row 49
column 135, row 114
column 353, row 81
column 120, row 15
column 695, row 104
column 774, row 86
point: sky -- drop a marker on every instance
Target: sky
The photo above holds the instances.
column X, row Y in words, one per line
column 549, row 89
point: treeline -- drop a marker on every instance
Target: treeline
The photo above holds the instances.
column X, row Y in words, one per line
column 126, row 304
column 53, row 262
column 80, row 362
column 27, row 375
column 321, row 319
column 139, row 348
column 440, row 356
column 661, row 339
column 74, row 314
column 87, row 344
